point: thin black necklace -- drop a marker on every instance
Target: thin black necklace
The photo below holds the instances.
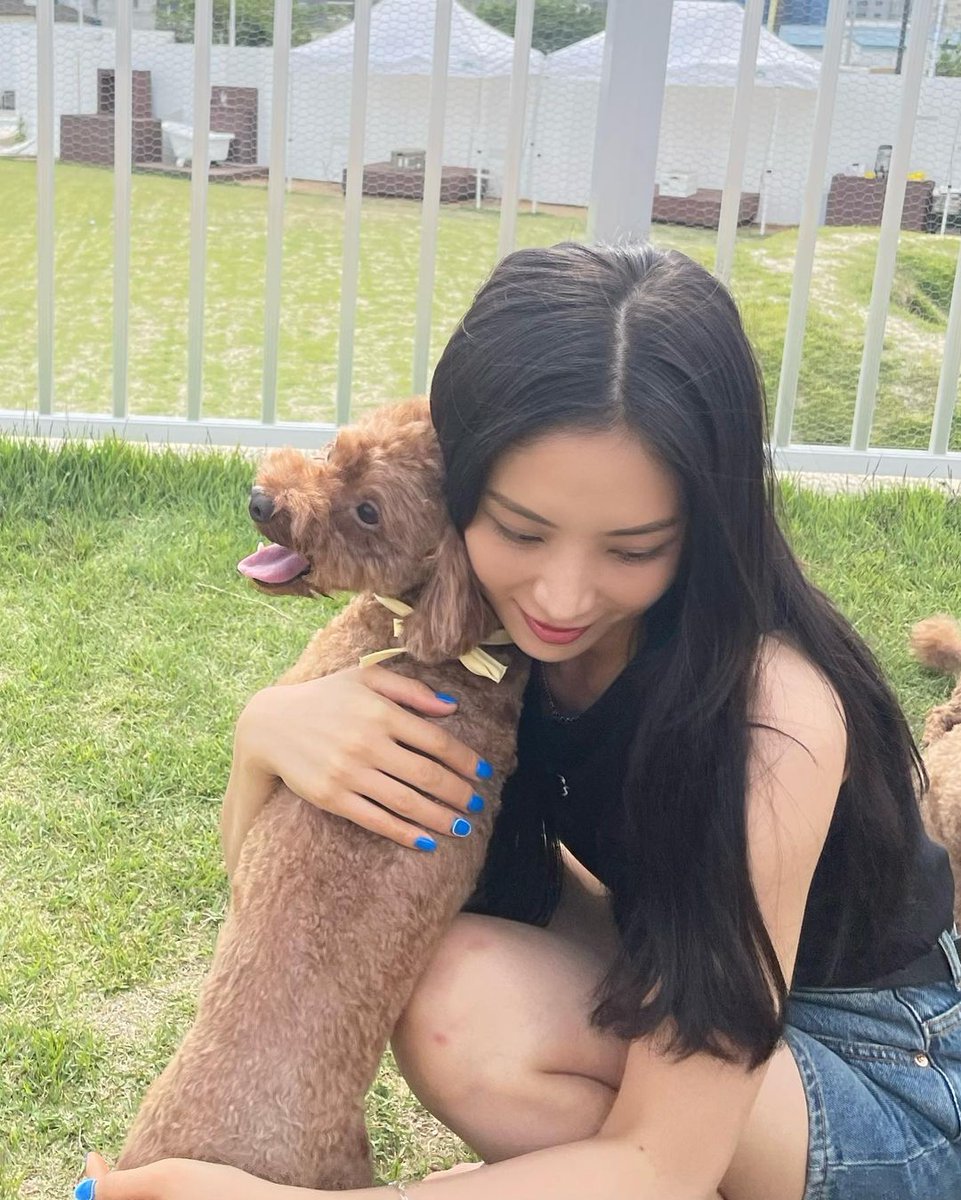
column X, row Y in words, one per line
column 556, row 714
column 567, row 718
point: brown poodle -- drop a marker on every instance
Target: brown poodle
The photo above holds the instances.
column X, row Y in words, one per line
column 329, row 925
column 936, row 642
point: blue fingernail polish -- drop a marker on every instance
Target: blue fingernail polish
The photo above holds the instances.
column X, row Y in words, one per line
column 85, row 1189
column 476, row 803
column 422, row 843
column 447, row 699
column 460, row 828
column 484, row 769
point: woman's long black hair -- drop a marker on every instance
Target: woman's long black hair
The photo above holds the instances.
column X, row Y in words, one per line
column 646, row 340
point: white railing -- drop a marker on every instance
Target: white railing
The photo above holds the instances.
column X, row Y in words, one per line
column 623, row 170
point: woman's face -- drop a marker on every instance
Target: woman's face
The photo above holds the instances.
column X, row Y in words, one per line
column 576, row 535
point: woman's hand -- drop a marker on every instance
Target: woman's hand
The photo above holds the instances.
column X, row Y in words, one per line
column 184, row 1179
column 173, row 1179
column 346, row 740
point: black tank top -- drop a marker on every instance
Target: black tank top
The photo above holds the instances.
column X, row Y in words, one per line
column 577, row 769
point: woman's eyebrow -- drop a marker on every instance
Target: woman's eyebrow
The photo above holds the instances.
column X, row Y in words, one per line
column 652, row 527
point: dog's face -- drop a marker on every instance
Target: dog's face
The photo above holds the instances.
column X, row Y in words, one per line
column 368, row 514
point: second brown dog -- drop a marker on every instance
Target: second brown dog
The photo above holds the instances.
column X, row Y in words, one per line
column 936, row 642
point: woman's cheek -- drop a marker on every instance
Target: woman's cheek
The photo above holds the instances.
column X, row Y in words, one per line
column 489, row 557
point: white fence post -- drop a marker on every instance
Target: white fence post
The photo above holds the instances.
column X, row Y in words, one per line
column 947, row 399
column 808, row 231
column 517, row 115
column 629, row 119
column 122, row 182
column 352, row 205
column 891, row 226
column 45, row 210
column 430, row 205
column 276, row 183
column 737, row 153
column 199, row 183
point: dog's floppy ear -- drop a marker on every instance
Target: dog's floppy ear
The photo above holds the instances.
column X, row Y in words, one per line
column 450, row 616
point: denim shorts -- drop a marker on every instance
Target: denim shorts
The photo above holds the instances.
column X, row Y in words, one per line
column 882, row 1073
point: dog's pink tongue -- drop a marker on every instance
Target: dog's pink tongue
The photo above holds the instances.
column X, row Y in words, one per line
column 273, row 564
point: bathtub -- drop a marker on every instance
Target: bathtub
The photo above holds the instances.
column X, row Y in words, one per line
column 182, row 143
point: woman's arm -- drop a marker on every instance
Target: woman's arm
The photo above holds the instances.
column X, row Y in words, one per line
column 248, row 790
column 601, row 1168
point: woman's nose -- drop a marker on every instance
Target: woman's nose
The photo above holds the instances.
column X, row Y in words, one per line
column 565, row 596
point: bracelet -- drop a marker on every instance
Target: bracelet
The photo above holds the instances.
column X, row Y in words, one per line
column 401, row 1189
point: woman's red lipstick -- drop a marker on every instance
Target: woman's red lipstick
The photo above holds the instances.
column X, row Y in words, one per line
column 551, row 634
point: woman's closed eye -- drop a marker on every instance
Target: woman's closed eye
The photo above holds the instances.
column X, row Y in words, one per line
column 626, row 556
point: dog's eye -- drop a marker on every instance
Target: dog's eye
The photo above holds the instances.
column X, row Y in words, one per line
column 367, row 513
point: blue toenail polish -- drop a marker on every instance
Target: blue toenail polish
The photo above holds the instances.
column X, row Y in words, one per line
column 484, row 769
column 422, row 843
column 460, row 828
column 476, row 803
column 85, row 1189
column 447, row 699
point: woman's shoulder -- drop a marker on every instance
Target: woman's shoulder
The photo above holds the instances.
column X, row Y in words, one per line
column 794, row 694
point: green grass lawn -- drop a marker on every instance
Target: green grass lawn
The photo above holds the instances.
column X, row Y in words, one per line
column 236, row 242
column 128, row 644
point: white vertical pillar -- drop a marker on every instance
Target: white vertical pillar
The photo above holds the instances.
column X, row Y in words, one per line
column 890, row 225
column 516, row 124
column 275, row 204
column 629, row 119
column 740, row 128
column 352, row 205
column 808, row 230
column 45, row 229
column 122, row 158
column 199, row 183
column 950, row 365
column 936, row 40
column 430, row 207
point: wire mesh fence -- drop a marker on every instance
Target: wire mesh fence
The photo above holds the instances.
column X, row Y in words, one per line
column 360, row 307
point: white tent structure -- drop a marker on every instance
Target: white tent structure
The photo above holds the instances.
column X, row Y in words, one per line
column 400, row 63
column 695, row 125
column 703, row 52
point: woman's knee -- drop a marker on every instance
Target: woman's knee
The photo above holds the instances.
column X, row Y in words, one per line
column 457, row 1008
column 496, row 1040
column 500, row 998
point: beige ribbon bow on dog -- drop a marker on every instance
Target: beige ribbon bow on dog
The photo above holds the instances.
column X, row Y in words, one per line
column 477, row 661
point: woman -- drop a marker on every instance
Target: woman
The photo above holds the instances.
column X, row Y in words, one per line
column 727, row 967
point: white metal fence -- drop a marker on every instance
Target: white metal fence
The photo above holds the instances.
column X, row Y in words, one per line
column 142, row 296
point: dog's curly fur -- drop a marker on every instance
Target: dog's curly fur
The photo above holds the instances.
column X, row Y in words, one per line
column 936, row 642
column 329, row 926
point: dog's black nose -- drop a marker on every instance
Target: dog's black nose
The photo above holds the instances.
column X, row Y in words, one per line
column 261, row 506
